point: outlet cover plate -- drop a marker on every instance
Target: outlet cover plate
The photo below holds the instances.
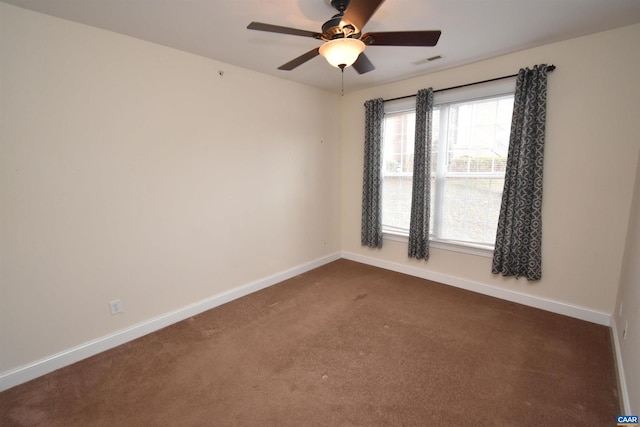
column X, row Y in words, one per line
column 116, row 307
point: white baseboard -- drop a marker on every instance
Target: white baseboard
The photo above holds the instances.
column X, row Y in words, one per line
column 49, row 364
column 505, row 294
column 622, row 382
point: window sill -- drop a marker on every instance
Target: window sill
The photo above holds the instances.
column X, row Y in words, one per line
column 444, row 245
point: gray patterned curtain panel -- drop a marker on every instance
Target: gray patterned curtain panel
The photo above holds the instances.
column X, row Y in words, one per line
column 371, row 202
column 519, row 236
column 421, row 190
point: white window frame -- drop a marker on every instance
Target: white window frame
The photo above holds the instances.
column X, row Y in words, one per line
column 469, row 93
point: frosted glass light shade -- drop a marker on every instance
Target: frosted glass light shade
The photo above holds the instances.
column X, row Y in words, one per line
column 342, row 52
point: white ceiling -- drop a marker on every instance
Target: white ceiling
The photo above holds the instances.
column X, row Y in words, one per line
column 472, row 30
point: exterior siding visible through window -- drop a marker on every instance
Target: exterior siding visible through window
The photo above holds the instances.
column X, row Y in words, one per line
column 468, row 159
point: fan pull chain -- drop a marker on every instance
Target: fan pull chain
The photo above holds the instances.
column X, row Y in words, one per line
column 342, row 72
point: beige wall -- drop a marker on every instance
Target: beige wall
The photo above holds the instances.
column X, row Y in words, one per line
column 627, row 312
column 590, row 161
column 133, row 171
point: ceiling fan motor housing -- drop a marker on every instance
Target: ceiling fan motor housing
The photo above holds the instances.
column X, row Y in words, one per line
column 334, row 28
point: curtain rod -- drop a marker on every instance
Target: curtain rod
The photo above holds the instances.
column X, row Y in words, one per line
column 549, row 69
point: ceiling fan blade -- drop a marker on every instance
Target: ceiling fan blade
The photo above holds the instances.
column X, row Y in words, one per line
column 402, row 38
column 362, row 64
column 360, row 11
column 260, row 26
column 300, row 60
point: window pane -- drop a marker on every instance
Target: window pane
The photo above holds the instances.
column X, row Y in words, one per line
column 396, row 202
column 478, row 135
column 397, row 176
column 471, row 207
column 399, row 130
column 477, row 145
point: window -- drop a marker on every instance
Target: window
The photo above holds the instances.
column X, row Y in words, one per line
column 470, row 140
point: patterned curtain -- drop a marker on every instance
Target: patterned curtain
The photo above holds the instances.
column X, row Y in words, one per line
column 519, row 236
column 372, row 181
column 421, row 194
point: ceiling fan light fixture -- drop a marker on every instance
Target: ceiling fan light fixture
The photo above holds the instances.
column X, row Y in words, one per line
column 342, row 52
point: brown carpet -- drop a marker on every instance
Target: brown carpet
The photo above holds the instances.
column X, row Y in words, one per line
column 343, row 345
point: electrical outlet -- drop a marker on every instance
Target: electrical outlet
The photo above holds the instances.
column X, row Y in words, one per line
column 626, row 328
column 116, row 307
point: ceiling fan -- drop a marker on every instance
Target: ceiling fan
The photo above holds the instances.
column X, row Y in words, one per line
column 344, row 42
